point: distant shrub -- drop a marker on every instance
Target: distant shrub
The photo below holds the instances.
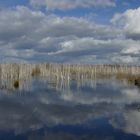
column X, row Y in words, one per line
column 16, row 84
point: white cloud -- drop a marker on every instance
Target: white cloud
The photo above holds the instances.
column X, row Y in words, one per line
column 133, row 49
column 119, row 59
column 71, row 4
column 130, row 22
column 38, row 37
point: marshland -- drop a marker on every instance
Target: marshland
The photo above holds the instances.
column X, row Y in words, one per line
column 65, row 101
column 17, row 75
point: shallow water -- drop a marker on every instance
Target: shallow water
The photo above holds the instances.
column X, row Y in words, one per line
column 90, row 110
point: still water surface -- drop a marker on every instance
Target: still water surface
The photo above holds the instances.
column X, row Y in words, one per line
column 91, row 110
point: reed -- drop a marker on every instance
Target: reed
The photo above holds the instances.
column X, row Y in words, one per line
column 16, row 75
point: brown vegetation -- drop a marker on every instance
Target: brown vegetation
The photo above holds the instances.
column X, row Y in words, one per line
column 20, row 73
column 36, row 71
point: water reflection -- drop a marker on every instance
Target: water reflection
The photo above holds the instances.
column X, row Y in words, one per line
column 103, row 109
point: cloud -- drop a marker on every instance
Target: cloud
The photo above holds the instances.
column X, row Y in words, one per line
column 101, row 51
column 34, row 36
column 129, row 22
column 21, row 20
column 71, row 4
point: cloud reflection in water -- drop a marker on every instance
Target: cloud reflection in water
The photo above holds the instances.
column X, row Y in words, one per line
column 47, row 107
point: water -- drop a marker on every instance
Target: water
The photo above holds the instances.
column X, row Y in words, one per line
column 103, row 109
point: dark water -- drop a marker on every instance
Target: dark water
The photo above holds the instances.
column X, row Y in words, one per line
column 91, row 110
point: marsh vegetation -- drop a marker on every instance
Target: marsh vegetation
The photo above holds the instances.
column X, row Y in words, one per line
column 16, row 75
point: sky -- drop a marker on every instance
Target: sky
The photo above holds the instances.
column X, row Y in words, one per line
column 70, row 31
